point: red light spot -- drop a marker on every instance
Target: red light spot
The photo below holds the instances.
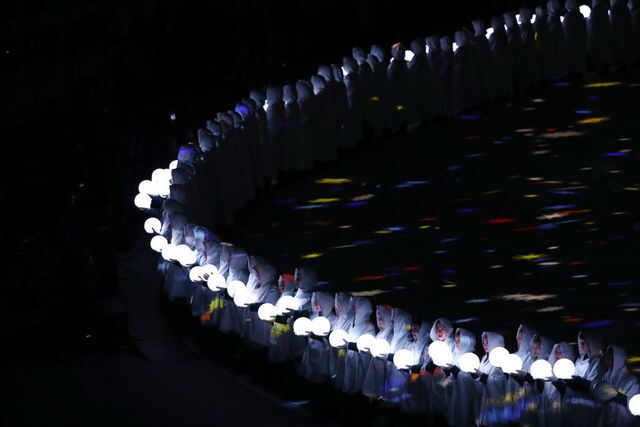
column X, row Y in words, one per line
column 573, row 320
column 525, row 229
column 429, row 218
column 500, row 220
column 368, row 278
column 551, row 130
column 413, row 268
column 577, row 262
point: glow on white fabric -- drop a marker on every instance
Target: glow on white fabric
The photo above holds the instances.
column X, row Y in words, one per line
column 488, row 33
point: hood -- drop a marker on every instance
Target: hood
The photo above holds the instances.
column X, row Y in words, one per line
column 565, row 348
column 212, row 252
column 343, row 304
column 497, row 23
column 525, row 15
column 423, row 336
column 383, row 316
column 467, row 341
column 243, row 109
column 307, row 279
column 362, row 308
column 619, row 360
column 479, row 27
column 359, row 55
column 595, row 3
column 286, row 284
column 447, row 325
column 251, row 104
column 226, row 250
column 397, row 51
column 379, row 53
column 304, row 89
column 319, row 84
column 289, row 94
column 527, row 335
column 238, row 120
column 326, row 72
column 417, row 47
column 267, row 274
column 179, row 176
column 337, row 73
column 495, row 339
column 322, row 304
column 258, row 97
column 401, row 329
column 446, row 44
column 274, row 94
column 595, row 344
column 238, row 259
column 510, row 20
column 541, row 14
column 200, row 234
column 206, row 140
column 553, row 8
column 546, row 345
column 350, row 65
column 461, row 38
column 434, row 44
column 225, row 119
column 187, row 153
column 214, row 127
column 571, row 5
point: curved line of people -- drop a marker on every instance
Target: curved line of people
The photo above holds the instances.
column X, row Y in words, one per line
column 240, row 151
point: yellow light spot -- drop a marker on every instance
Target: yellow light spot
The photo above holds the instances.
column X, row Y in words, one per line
column 401, row 107
column 633, row 359
column 363, row 197
column 631, row 188
column 494, row 267
column 375, row 98
column 312, row 256
column 325, row 200
column 530, row 196
column 526, row 297
column 424, row 227
column 602, row 84
column 592, row 120
column 535, row 36
column 333, row 181
column 371, row 293
column 383, row 232
column 528, row 257
column 550, row 309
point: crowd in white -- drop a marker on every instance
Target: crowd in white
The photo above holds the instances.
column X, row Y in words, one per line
column 417, row 365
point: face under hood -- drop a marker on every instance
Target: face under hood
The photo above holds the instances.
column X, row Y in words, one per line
column 541, row 14
column 595, row 3
column 434, row 44
column 187, row 153
column 350, row 65
column 304, row 89
column 214, row 127
column 289, row 94
column 571, row 5
column 362, row 308
column 206, row 140
column 342, row 304
column 510, row 20
column 274, row 94
column 397, row 51
column 337, row 73
column 267, row 275
column 461, row 38
column 226, row 251
column 379, row 53
column 326, row 72
column 495, row 340
column 553, row 7
column 497, row 23
column 446, row 44
column 383, row 317
column 251, row 104
column 619, row 359
column 566, row 351
column 359, row 55
column 423, row 338
column 546, row 345
column 525, row 15
column 527, row 333
column 286, row 284
column 322, row 304
column 306, row 279
column 243, row 109
column 238, row 121
column 238, row 259
column 441, row 322
column 212, row 250
column 595, row 344
column 401, row 329
column 467, row 341
column 417, row 47
column 258, row 97
column 319, row 84
column 179, row 176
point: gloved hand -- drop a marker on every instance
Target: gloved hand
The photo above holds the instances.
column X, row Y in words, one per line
column 579, row 383
column 352, row 346
column 620, row 398
column 484, row 378
column 454, row 371
column 390, row 357
column 560, row 385
column 430, row 367
column 539, row 385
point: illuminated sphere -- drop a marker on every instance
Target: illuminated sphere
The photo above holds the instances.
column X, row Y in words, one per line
column 440, row 353
column 634, row 405
column 163, row 189
column 161, row 175
column 380, row 348
column 497, row 356
column 585, row 11
column 512, row 364
column 267, row 312
column 195, row 274
column 142, row 201
column 302, row 326
column 173, row 165
column 242, row 297
column 157, row 243
column 541, row 369
column 234, row 286
column 209, row 270
column 408, row 55
column 216, row 281
column 321, row 326
column 186, row 257
column 403, row 359
column 365, row 342
column 169, row 252
column 564, row 369
column 338, row 338
column 533, row 18
column 286, row 303
column 147, row 187
column 152, row 225
column 469, row 362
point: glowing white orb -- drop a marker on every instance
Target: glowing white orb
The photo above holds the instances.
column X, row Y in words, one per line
column 147, row 187
column 427, row 48
column 365, row 341
column 408, row 55
column 158, row 243
column 561, row 19
column 285, row 304
column 585, row 11
column 455, row 46
column 497, row 356
column 541, row 369
column 533, row 18
column 267, row 312
column 345, row 71
column 380, row 348
column 403, row 359
column 195, row 274
column 163, row 189
column 469, row 362
column 173, row 165
column 518, row 17
column 321, row 326
column 186, row 257
column 169, row 252
column 242, row 297
column 234, row 286
column 440, row 353
column 512, row 364
column 152, row 226
column 302, row 326
column 209, row 270
column 161, row 175
column 564, row 369
column 634, row 405
column 142, row 201
column 216, row 281
column 488, row 33
column 338, row 338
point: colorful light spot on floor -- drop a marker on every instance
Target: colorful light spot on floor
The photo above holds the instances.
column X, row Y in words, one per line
column 550, row 309
column 602, row 84
column 597, row 324
column 424, row 227
column 531, row 196
column 523, row 297
column 528, row 257
column 324, row 200
column 363, row 197
column 314, row 206
column 356, row 204
column 632, row 188
column 382, row 232
column 478, row 300
column 312, row 255
column 616, row 154
column 572, row 319
column 368, row 278
column 333, row 181
column 584, row 112
column 592, row 120
column 500, row 221
column 495, row 267
column 468, row 117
